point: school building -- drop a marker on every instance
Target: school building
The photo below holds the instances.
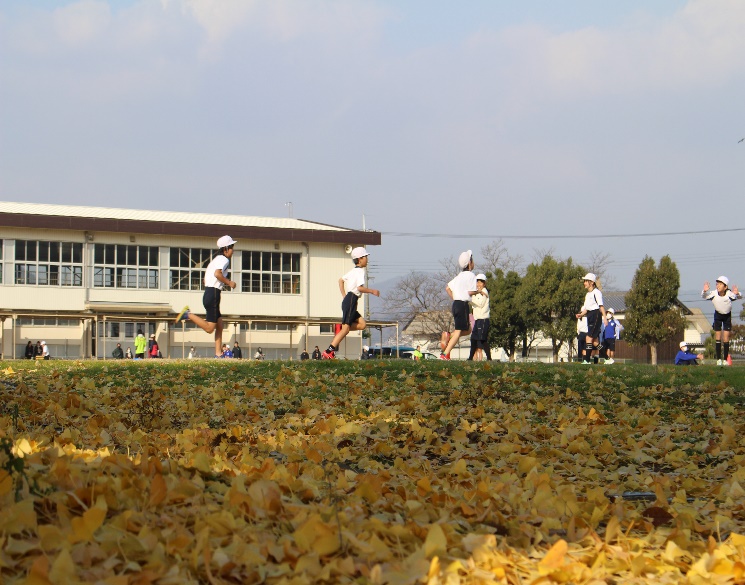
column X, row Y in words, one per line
column 86, row 278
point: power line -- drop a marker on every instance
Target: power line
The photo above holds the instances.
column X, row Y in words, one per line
column 555, row 237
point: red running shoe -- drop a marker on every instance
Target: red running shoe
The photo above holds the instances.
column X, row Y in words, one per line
column 328, row 355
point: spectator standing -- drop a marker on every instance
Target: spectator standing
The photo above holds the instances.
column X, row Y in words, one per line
column 152, row 347
column 140, row 345
column 29, row 351
column 118, row 353
column 722, row 299
column 215, row 280
column 595, row 311
column 417, row 353
column 460, row 290
column 316, row 353
column 128, row 355
column 581, row 337
column 192, row 353
column 45, row 351
column 237, row 351
column 612, row 332
column 304, row 355
column 685, row 357
column 480, row 304
column 352, row 286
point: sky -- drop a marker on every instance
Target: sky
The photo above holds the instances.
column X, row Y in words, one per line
column 550, row 125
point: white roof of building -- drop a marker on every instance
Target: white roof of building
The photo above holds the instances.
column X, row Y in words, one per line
column 164, row 216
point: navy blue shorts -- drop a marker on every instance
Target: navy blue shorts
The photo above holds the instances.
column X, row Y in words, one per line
column 480, row 330
column 610, row 343
column 211, row 301
column 594, row 320
column 461, row 310
column 722, row 321
column 349, row 313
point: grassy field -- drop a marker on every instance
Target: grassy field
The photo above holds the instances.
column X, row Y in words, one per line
column 213, row 471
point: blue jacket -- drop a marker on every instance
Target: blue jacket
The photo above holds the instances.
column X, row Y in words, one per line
column 685, row 358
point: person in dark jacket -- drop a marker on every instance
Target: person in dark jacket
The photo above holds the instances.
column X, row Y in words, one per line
column 237, row 351
column 38, row 351
column 29, row 351
column 118, row 353
column 305, row 355
column 316, row 353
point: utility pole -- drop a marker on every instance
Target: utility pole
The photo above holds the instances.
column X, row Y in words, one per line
column 288, row 205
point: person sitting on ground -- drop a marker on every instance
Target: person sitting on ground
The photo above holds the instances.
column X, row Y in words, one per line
column 259, row 355
column 304, row 355
column 226, row 353
column 128, row 355
column 118, row 352
column 685, row 357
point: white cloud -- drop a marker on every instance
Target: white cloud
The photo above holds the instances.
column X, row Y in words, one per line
column 81, row 22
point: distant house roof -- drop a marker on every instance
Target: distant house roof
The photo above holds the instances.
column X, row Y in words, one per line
column 74, row 217
column 615, row 301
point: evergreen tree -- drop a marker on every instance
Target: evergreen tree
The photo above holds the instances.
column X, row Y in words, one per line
column 507, row 326
column 653, row 315
column 549, row 297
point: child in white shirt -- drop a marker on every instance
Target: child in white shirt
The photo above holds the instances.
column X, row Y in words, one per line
column 460, row 289
column 351, row 285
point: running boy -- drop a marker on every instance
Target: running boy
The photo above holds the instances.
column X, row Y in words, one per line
column 461, row 289
column 215, row 279
column 593, row 308
column 351, row 285
column 722, row 299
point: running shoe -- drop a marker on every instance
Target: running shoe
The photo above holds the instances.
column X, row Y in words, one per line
column 719, row 362
column 586, row 363
column 444, row 357
column 328, row 355
column 182, row 316
column 609, row 361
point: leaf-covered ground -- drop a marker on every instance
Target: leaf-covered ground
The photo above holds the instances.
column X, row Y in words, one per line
column 370, row 472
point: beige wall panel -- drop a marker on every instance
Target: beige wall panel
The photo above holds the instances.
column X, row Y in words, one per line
column 43, row 298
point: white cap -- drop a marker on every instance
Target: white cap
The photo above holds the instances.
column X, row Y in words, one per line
column 359, row 253
column 225, row 241
column 610, row 310
column 365, row 348
column 589, row 276
column 683, row 344
column 724, row 280
column 481, row 277
column 43, row 342
column 465, row 258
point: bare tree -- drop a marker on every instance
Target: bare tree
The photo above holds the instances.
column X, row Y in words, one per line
column 599, row 264
column 495, row 256
column 421, row 296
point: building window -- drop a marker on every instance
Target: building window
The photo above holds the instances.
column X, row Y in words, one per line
column 49, row 263
column 188, row 266
column 113, row 329
column 262, row 326
column 271, row 273
column 326, row 328
column 47, row 322
column 122, row 266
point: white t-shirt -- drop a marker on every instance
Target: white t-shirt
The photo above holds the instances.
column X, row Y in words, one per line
column 354, row 279
column 462, row 284
column 219, row 262
column 593, row 300
column 723, row 304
